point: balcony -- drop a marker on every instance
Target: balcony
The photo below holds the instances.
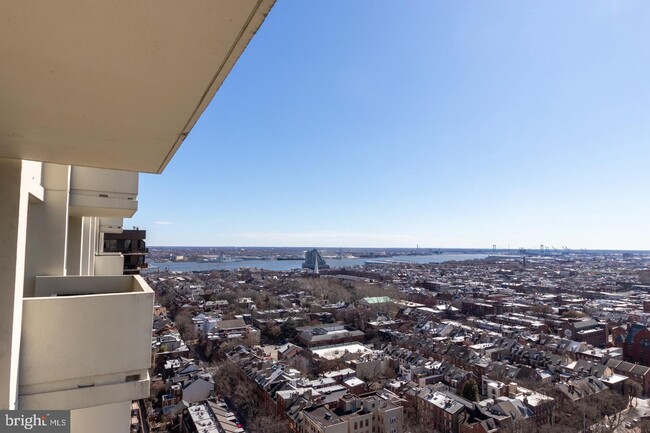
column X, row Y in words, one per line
column 85, row 342
column 103, row 193
column 109, row 264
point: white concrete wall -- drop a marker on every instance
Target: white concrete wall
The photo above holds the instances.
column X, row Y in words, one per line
column 103, row 193
column 109, row 264
column 111, row 225
column 14, row 197
column 88, row 245
column 87, row 205
column 78, row 337
column 32, row 175
column 70, row 352
column 47, row 227
column 386, row 416
column 103, row 392
column 110, row 418
column 114, row 183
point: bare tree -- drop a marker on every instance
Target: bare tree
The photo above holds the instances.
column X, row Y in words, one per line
column 300, row 363
column 633, row 390
column 260, row 414
column 267, row 424
column 185, row 326
column 606, row 409
column 644, row 426
column 414, row 422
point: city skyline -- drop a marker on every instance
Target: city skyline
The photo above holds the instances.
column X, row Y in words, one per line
column 438, row 125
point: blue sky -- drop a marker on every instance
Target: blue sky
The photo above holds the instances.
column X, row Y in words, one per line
column 443, row 124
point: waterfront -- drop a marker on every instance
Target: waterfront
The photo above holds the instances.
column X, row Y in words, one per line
column 287, row 265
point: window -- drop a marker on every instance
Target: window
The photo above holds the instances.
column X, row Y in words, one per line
column 366, row 422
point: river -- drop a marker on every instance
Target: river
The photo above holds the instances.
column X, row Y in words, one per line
column 286, row 265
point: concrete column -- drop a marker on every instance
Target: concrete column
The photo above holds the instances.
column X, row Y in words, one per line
column 14, row 197
column 73, row 263
column 48, row 227
column 89, row 228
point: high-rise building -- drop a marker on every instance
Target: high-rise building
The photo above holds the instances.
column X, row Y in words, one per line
column 92, row 94
column 314, row 261
column 131, row 245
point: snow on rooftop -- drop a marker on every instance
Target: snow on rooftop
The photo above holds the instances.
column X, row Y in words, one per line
column 334, row 352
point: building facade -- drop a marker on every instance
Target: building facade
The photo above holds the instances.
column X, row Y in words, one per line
column 636, row 347
column 352, row 414
column 76, row 132
column 131, row 244
column 589, row 331
column 314, row 261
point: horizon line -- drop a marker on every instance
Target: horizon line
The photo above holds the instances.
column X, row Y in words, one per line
column 407, row 248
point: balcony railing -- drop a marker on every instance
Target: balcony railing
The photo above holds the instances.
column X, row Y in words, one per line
column 109, row 264
column 85, row 341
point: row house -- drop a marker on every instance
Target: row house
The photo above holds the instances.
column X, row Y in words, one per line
column 579, row 389
column 604, row 373
column 541, row 406
column 234, row 329
column 509, row 413
column 364, row 414
column 636, row 372
column 320, row 405
column 441, row 409
column 209, row 417
column 185, row 381
column 517, row 409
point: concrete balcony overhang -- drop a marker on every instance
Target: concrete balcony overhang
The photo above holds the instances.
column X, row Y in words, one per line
column 114, row 84
column 111, row 225
column 91, row 205
column 103, row 193
column 85, row 339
